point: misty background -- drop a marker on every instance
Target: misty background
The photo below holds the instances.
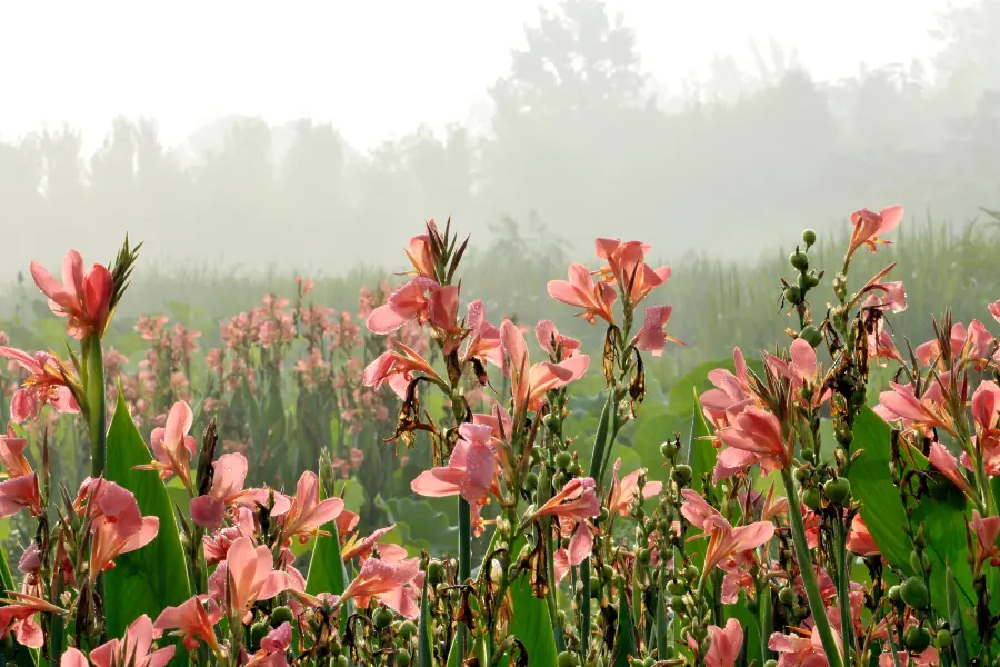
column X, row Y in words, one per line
column 320, row 136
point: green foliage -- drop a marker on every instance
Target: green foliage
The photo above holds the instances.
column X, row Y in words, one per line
column 146, row 580
column 626, row 639
column 418, row 525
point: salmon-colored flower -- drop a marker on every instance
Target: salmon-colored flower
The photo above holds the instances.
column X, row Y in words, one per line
column 581, row 292
column 724, row 644
column 550, row 340
column 924, row 413
column 696, row 509
column 947, row 464
column 398, row 368
column 627, row 267
column 389, row 582
column 18, row 615
column 577, row 500
column 83, row 297
column 859, row 540
column 230, row 473
column 303, row 515
column 172, row 446
column 724, row 541
column 20, row 490
column 529, row 384
column 73, row 658
column 652, row 336
column 731, row 392
column 216, row 546
column 117, row 524
column 625, row 491
column 246, row 576
column 994, row 309
column 421, row 299
column 986, row 409
column 194, row 621
column 134, row 650
column 868, row 226
column 986, row 531
column 273, row 648
column 580, row 546
column 891, row 294
column 12, row 454
column 484, row 338
column 757, row 432
column 421, row 252
column 972, row 344
column 48, row 384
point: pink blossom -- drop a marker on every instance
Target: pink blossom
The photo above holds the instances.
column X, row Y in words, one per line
column 581, row 292
column 83, row 297
column 48, row 384
column 652, row 336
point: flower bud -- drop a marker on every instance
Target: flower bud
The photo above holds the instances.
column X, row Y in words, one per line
column 811, row 498
column 682, row 474
column 407, row 629
column 944, row 638
column 917, row 638
column 564, row 460
column 403, row 659
column 809, row 238
column 382, row 618
column 786, row 595
column 281, row 615
column 668, row 450
column 257, row 632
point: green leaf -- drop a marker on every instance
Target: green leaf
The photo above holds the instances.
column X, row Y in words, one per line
column 529, row 622
column 701, row 453
column 626, row 642
column 146, row 580
column 871, row 485
column 424, row 655
column 955, row 621
column 326, row 568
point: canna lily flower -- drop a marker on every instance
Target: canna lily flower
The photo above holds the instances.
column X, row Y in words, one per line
column 484, row 339
column 362, row 548
column 964, row 345
column 986, row 409
column 385, row 580
column 48, row 384
column 421, row 299
column 194, row 620
column 889, row 295
column 421, row 252
column 947, row 464
column 550, row 340
column 303, row 515
column 724, row 644
column 471, row 471
column 230, row 473
column 12, row 454
column 530, row 384
column 626, row 266
column 758, row 433
column 83, row 297
column 986, row 532
column 398, row 368
column 994, row 309
column 172, row 446
column 273, row 648
column 18, row 614
column 580, row 546
column 900, row 403
column 134, row 650
column 624, row 492
column 73, row 658
column 696, row 509
column 246, row 576
column 724, row 541
column 117, row 524
column 731, row 392
column 868, row 226
column 652, row 336
column 216, row 547
column 577, row 500
column 859, row 540
column 581, row 292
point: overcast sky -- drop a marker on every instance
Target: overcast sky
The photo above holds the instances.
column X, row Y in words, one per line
column 375, row 67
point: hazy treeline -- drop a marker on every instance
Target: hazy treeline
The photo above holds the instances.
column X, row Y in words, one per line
column 578, row 138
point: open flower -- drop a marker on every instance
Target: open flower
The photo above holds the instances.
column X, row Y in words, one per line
column 576, row 501
column 246, row 576
column 625, row 491
column 230, row 473
column 724, row 644
column 550, row 340
column 48, row 384
column 724, row 541
column 303, row 515
column 18, row 615
column 398, row 368
column 755, row 437
column 653, row 334
column 581, row 292
column 20, row 490
column 986, row 531
column 117, row 524
column 627, row 267
column 172, row 446
column 83, row 297
column 134, row 650
column 421, row 299
column 385, row 580
column 194, row 621
column 869, row 226
column 421, row 252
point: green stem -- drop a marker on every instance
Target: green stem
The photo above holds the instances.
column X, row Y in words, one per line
column 550, row 599
column 464, row 562
column 596, row 460
column 808, row 576
column 97, row 407
column 765, row 619
column 844, row 591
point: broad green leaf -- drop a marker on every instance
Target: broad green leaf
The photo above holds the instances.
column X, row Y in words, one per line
column 529, row 622
column 424, row 655
column 418, row 526
column 326, row 567
column 146, row 580
column 701, row 453
column 626, row 641
column 955, row 620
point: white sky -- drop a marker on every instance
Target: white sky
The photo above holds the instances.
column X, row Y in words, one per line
column 374, row 67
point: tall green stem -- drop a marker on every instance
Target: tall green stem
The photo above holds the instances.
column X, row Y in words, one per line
column 596, row 462
column 464, row 562
column 808, row 576
column 97, row 406
column 765, row 619
column 844, row 591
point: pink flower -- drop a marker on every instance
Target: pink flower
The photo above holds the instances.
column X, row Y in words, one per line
column 83, row 297
column 397, row 368
column 246, row 576
column 696, row 509
column 134, row 650
column 216, row 546
column 227, row 490
column 20, row 490
column 421, row 299
column 627, row 267
column 652, row 335
column 18, row 614
column 421, row 251
column 986, row 408
column 48, row 384
column 624, row 492
column 577, row 500
column 12, row 454
column 758, row 433
column 942, row 459
column 484, row 338
column 859, row 540
column 972, row 345
column 580, row 546
column 529, row 384
column 550, row 339
column 900, row 403
column 471, row 470
column 868, row 225
column 194, row 620
column 724, row 644
column 117, row 524
column 273, row 648
column 724, row 541
column 986, row 531
column 385, row 580
column 581, row 292
column 801, row 370
column 172, row 446
column 303, row 516
column 994, row 309
column 731, row 392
